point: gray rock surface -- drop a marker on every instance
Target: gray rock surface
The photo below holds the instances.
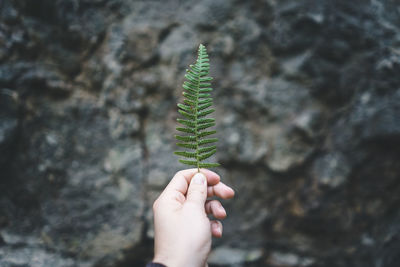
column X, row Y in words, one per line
column 308, row 115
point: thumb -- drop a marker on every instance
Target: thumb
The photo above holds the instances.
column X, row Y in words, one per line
column 197, row 192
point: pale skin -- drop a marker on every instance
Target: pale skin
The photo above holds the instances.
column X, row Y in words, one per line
column 183, row 231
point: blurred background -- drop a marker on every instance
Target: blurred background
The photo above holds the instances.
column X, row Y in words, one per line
column 308, row 115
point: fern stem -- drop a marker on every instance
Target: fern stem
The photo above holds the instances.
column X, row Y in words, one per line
column 195, row 112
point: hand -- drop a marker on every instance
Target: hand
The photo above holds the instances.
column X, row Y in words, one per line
column 182, row 229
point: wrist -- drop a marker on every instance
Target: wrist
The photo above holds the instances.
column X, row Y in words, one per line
column 155, row 264
column 174, row 261
column 167, row 261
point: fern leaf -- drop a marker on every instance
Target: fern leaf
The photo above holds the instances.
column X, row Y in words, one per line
column 205, row 79
column 204, row 95
column 205, row 120
column 205, row 113
column 190, row 85
column 195, row 108
column 205, row 100
column 187, row 122
column 208, row 165
column 205, row 84
column 190, row 96
column 201, row 107
column 195, row 68
column 207, row 149
column 187, row 115
column 207, row 155
column 186, row 130
column 189, row 102
column 191, row 146
column 190, row 90
column 189, row 162
column 205, row 126
column 186, row 154
column 202, row 134
column 185, row 107
column 188, row 138
column 207, row 141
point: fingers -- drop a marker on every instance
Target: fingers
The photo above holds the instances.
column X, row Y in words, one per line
column 216, row 228
column 212, row 177
column 180, row 182
column 215, row 208
column 220, row 190
column 197, row 191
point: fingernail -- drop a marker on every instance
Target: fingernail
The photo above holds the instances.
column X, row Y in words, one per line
column 216, row 227
column 223, row 211
column 199, row 178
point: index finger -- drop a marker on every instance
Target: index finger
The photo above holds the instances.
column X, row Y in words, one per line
column 180, row 182
column 220, row 190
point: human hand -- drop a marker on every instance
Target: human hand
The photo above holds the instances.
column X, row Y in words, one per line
column 182, row 229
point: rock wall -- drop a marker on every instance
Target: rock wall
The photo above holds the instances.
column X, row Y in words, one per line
column 308, row 109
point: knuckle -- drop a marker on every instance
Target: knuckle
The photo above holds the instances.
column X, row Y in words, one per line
column 179, row 173
column 196, row 193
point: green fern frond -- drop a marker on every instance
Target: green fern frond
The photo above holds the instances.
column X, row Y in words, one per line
column 196, row 106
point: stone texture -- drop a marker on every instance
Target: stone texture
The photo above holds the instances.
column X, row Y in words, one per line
column 8, row 123
column 307, row 96
column 231, row 256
